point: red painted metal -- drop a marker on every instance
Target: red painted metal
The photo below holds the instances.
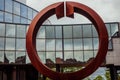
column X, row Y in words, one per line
column 58, row 9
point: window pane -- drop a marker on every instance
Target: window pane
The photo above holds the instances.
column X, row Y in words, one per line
column 23, row 11
column 50, row 56
column 42, row 56
column 1, row 4
column 8, row 5
column 1, row 16
column 34, row 13
column 79, row 56
column 41, row 32
column 8, row 17
column 27, row 59
column 23, row 21
column 40, row 45
column 29, row 13
column 10, row 55
column 88, row 44
column 50, row 45
column 95, row 43
column 21, row 31
column 1, row 43
column 108, row 29
column 78, row 44
column 77, row 31
column 17, row 8
column 68, row 55
column 10, row 44
column 68, row 44
column 50, row 33
column 67, row 31
column 95, row 34
column 1, row 56
column 59, row 55
column 88, row 55
column 58, row 44
column 2, row 29
column 20, row 57
column 16, row 19
column 58, row 30
column 10, row 30
column 20, row 44
column 114, row 29
column 87, row 31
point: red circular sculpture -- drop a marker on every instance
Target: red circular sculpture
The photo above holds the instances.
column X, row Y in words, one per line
column 58, row 9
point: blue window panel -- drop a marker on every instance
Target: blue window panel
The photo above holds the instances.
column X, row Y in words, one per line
column 16, row 19
column 29, row 13
column 8, row 5
column 8, row 17
column 23, row 11
column 1, row 16
column 17, row 8
column 1, row 4
column 23, row 21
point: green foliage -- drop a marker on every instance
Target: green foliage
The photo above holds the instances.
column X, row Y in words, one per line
column 99, row 78
column 107, row 75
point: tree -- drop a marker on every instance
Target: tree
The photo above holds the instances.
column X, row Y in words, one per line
column 99, row 78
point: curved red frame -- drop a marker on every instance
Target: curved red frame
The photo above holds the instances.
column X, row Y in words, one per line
column 58, row 9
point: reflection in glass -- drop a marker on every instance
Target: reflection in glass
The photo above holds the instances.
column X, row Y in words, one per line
column 34, row 13
column 68, row 45
column 77, row 31
column 68, row 55
column 1, row 56
column 16, row 19
column 58, row 30
column 20, row 57
column 50, row 33
column 21, row 31
column 20, row 44
column 95, row 34
column 1, row 4
column 10, row 44
column 27, row 59
column 8, row 17
column 1, row 16
column 10, row 30
column 41, row 32
column 95, row 43
column 87, row 32
column 88, row 44
column 78, row 45
column 59, row 55
column 23, row 20
column 23, row 11
column 58, row 44
column 67, row 31
column 50, row 56
column 16, row 8
column 108, row 29
column 114, row 29
column 2, row 29
column 78, row 55
column 29, row 13
column 10, row 56
column 8, row 5
column 1, row 43
column 50, row 44
column 40, row 45
column 42, row 56
column 88, row 55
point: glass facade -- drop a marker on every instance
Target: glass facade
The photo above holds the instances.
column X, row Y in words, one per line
column 78, row 42
column 15, row 12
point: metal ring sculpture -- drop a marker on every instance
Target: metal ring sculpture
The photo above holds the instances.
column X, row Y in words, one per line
column 58, row 9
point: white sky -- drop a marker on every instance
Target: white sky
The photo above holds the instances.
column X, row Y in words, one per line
column 109, row 10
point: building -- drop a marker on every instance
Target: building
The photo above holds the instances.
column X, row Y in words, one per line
column 75, row 44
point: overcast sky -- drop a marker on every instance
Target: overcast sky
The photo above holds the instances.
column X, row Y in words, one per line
column 109, row 10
